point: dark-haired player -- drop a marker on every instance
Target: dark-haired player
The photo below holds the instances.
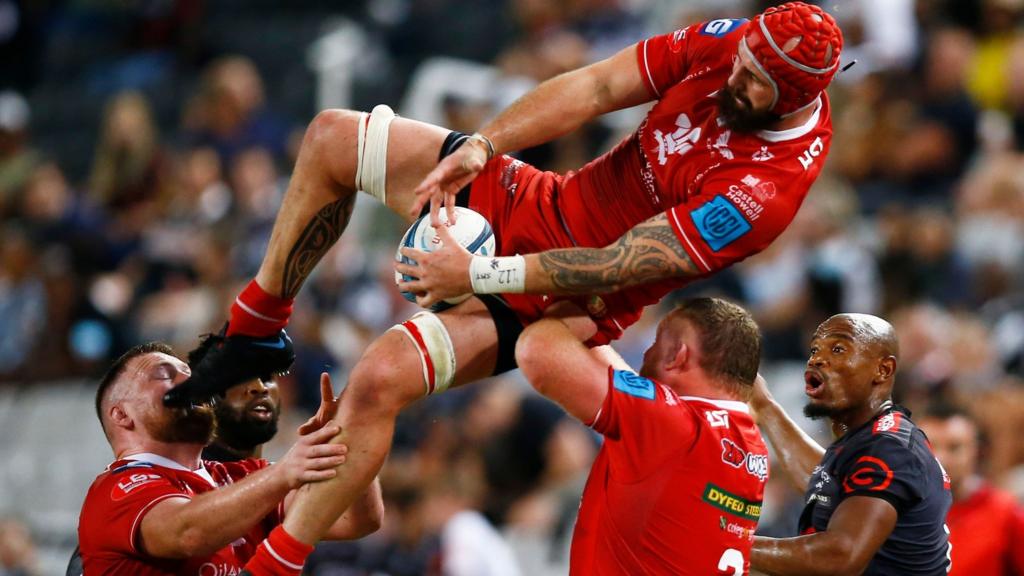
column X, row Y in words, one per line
column 875, row 501
column 716, row 171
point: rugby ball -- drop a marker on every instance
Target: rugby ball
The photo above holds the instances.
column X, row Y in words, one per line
column 471, row 230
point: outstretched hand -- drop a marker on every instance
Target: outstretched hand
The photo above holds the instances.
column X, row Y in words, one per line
column 328, row 407
column 450, row 175
column 312, row 458
column 437, row 275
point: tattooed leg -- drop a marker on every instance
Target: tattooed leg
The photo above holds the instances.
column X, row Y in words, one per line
column 321, row 194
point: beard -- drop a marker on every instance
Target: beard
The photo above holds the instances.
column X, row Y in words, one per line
column 193, row 425
column 819, row 411
column 241, row 432
column 743, row 118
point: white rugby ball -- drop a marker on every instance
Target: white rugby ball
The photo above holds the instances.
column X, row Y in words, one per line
column 471, row 230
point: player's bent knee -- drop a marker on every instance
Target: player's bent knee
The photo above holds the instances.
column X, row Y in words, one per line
column 529, row 354
column 436, row 352
column 380, row 386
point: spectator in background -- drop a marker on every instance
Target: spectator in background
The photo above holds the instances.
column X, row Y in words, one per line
column 129, row 166
column 986, row 525
column 230, row 112
column 17, row 158
column 23, row 303
column 17, row 550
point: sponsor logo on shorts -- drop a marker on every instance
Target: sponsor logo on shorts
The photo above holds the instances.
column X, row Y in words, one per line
column 719, row 222
column 754, row 464
column 633, row 384
column 730, row 503
column 721, row 27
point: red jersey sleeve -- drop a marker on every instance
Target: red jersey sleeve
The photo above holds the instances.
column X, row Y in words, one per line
column 736, row 215
column 666, row 59
column 119, row 503
column 637, row 416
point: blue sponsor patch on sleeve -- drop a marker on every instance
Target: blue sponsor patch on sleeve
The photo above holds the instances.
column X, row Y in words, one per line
column 721, row 27
column 633, row 384
column 719, row 222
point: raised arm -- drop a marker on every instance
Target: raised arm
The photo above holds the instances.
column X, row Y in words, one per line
column 797, row 451
column 551, row 355
column 552, row 109
column 181, row 527
column 648, row 252
column 858, row 528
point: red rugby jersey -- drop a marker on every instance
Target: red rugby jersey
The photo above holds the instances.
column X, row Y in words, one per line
column 676, row 488
column 108, row 528
column 727, row 194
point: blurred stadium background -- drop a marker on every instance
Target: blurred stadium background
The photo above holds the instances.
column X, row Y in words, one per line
column 145, row 146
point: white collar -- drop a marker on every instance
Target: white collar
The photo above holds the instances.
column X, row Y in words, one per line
column 796, row 132
column 150, row 458
column 734, row 405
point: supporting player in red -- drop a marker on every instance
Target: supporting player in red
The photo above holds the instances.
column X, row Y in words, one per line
column 677, row 486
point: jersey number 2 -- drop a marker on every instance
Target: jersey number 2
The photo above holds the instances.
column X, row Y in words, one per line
column 732, row 559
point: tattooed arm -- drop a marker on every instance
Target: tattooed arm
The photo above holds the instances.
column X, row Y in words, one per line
column 647, row 253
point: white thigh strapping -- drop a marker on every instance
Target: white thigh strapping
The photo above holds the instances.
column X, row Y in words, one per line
column 437, row 354
column 372, row 151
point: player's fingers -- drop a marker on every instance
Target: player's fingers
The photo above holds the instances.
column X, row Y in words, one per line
column 326, row 390
column 449, row 206
column 322, row 435
column 446, row 236
column 410, row 269
column 426, row 299
column 317, row 475
column 412, row 287
column 414, row 254
column 435, row 210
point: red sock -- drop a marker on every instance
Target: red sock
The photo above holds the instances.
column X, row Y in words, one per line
column 256, row 313
column 278, row 555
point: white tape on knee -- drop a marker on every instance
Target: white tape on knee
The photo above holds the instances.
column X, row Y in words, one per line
column 437, row 355
column 372, row 151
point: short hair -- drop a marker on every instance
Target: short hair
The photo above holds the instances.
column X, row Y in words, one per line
column 117, row 368
column 730, row 341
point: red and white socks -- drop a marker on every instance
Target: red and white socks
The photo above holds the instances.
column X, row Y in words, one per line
column 279, row 555
column 258, row 313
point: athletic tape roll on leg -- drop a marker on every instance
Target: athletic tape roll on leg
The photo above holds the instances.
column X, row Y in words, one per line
column 437, row 354
column 372, row 151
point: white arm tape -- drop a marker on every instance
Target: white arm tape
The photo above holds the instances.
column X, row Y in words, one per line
column 504, row 275
column 372, row 152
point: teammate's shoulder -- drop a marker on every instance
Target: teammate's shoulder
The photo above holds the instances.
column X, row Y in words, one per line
column 633, row 384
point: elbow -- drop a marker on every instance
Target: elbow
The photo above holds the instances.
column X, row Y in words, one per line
column 192, row 542
column 530, row 355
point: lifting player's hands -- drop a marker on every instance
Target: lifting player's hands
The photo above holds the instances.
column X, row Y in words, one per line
column 328, row 407
column 312, row 458
column 437, row 275
column 446, row 179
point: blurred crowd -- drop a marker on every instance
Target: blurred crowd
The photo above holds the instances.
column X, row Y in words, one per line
column 144, row 223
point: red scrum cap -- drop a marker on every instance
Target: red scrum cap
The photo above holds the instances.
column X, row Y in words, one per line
column 797, row 46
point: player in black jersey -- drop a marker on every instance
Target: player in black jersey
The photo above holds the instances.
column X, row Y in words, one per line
column 875, row 502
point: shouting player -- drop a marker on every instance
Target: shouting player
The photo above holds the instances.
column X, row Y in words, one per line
column 715, row 172
column 876, row 500
column 682, row 461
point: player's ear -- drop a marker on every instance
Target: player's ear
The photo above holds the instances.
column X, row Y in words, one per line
column 681, row 358
column 886, row 369
column 120, row 418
